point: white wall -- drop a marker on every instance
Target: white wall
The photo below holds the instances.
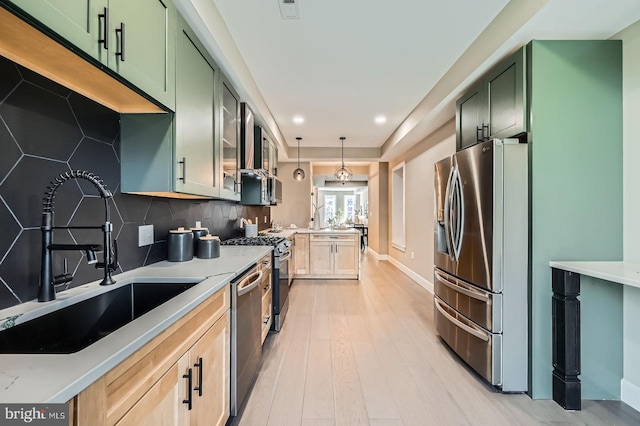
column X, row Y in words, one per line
column 631, row 209
column 417, row 259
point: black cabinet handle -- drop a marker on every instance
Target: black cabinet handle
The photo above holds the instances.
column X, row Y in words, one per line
column 105, row 30
column 198, row 365
column 485, row 126
column 121, row 31
column 184, row 170
column 189, row 400
column 479, row 134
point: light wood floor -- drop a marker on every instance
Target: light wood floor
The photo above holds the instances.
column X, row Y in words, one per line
column 365, row 353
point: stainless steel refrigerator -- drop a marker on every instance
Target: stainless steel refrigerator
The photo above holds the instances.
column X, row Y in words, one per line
column 481, row 260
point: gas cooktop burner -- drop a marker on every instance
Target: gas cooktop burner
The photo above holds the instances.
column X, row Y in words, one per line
column 253, row 241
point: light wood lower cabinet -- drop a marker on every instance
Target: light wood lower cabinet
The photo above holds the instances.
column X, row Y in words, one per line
column 333, row 256
column 151, row 386
column 301, row 254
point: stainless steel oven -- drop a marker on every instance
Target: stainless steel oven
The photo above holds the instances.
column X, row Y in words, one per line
column 281, row 277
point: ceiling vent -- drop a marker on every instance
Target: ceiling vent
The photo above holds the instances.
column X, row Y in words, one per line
column 289, row 9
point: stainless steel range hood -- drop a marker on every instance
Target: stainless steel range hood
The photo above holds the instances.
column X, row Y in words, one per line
column 247, row 145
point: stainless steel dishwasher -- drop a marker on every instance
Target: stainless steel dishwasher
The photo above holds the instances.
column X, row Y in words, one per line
column 246, row 328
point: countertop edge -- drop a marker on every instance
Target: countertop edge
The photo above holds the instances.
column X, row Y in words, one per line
column 621, row 272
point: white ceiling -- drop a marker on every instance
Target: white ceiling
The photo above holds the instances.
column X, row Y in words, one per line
column 345, row 62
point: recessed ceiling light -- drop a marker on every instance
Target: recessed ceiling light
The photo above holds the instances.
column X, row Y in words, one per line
column 381, row 119
column 298, row 119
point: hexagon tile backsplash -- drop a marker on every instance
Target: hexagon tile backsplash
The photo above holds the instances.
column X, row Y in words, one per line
column 47, row 129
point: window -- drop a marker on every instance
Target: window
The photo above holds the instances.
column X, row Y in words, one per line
column 329, row 208
column 349, row 208
column 397, row 208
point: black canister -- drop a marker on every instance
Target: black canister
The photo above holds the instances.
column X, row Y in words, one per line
column 180, row 245
column 197, row 234
column 208, row 247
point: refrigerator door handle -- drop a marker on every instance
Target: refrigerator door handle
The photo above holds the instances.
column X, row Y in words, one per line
column 460, row 213
column 447, row 215
column 458, row 288
column 471, row 330
column 456, row 214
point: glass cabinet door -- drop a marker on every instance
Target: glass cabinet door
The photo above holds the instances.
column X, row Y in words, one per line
column 265, row 153
column 230, row 138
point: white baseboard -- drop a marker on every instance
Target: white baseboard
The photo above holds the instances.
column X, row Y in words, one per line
column 413, row 275
column 377, row 255
column 630, row 394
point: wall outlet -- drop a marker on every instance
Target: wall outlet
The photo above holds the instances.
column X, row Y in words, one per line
column 265, row 219
column 413, row 255
column 145, row 235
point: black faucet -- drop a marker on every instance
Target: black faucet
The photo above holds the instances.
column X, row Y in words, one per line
column 47, row 280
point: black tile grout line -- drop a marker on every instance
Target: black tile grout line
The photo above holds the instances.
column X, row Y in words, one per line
column 10, row 290
column 12, row 245
column 22, row 154
column 14, row 87
column 25, row 81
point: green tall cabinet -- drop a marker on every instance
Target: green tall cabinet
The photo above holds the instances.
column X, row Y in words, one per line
column 567, row 98
column 574, row 91
column 135, row 39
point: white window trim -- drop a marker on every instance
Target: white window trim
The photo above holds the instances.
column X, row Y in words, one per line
column 398, row 241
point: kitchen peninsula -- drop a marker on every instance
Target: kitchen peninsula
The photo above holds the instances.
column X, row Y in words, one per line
column 327, row 253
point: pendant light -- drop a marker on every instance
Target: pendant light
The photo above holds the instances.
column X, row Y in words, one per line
column 343, row 174
column 298, row 174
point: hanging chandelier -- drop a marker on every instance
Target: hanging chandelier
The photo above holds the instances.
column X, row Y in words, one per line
column 298, row 174
column 343, row 174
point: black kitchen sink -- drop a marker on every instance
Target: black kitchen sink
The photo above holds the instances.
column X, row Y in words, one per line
column 77, row 326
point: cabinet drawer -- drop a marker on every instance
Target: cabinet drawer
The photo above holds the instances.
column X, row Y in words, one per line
column 479, row 348
column 334, row 237
column 481, row 306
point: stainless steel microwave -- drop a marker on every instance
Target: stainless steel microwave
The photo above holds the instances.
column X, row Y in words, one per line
column 275, row 191
column 255, row 190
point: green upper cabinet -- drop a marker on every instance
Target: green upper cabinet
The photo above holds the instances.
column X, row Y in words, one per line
column 194, row 152
column 469, row 117
column 495, row 106
column 505, row 97
column 195, row 123
column 230, row 143
column 265, row 152
column 80, row 22
column 142, row 45
column 136, row 39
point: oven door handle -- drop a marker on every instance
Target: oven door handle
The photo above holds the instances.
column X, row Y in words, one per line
column 246, row 288
column 471, row 330
column 458, row 288
column 286, row 256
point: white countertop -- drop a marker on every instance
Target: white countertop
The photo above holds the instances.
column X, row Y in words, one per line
column 626, row 273
column 329, row 231
column 57, row 378
column 288, row 232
